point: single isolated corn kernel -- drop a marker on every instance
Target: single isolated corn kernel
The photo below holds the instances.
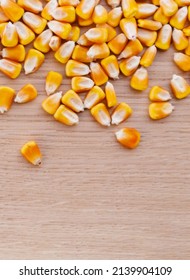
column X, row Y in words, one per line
column 85, row 8
column 128, row 137
column 180, row 41
column 114, row 16
column 16, row 53
column 182, row 61
column 121, row 113
column 129, row 65
column 101, row 114
column 81, row 84
column 129, row 8
column 65, row 51
column 53, row 81
column 34, row 6
column 160, row 110
column 118, row 43
column 9, row 37
column 35, row 22
column 111, row 66
column 113, row 3
column 61, row 29
column 129, row 28
column 111, row 97
column 74, row 34
column 74, row 68
column 66, row 116
column 160, row 16
column 97, row 35
column 100, row 14
column 164, row 37
column 64, row 13
column 149, row 24
column 12, row 10
column 26, row 94
column 98, row 51
column 25, row 34
column 52, row 103
column 48, row 8
column 145, row 10
column 146, row 37
column 93, row 97
column 148, row 56
column 169, row 7
column 80, row 54
column 41, row 42
column 180, row 87
column 6, row 98
column 55, row 43
column 72, row 100
column 33, row 61
column 132, row 48
column 158, row 94
column 31, row 152
column 98, row 75
column 10, row 68
column 179, row 19
column 139, row 80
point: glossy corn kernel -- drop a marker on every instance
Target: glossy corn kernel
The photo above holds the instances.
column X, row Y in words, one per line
column 132, row 48
column 129, row 8
column 33, row 61
column 3, row 17
column 98, row 51
column 31, row 153
column 61, row 29
column 6, row 98
column 35, row 22
column 160, row 110
column 83, row 41
column 26, row 94
column 164, row 37
column 34, row 6
column 180, row 87
column 81, row 84
column 48, row 8
column 98, row 75
column 186, row 31
column 159, row 94
column 121, row 113
column 64, row 13
column 64, row 53
column 53, row 82
column 111, row 66
column 111, row 30
column 145, row 10
column 12, row 10
column 139, row 80
column 72, row 100
column 148, row 56
column 55, row 43
column 74, row 34
column 114, row 16
column 85, row 8
column 25, row 34
column 149, row 24
column 9, row 36
column 118, row 43
column 80, row 54
column 129, row 28
column 41, row 42
column 84, row 22
column 93, row 97
column 100, row 14
column 73, row 3
column 169, row 7
column 180, row 41
column 74, row 68
column 129, row 65
column 146, row 37
column 111, row 97
column 187, row 50
column 97, row 35
column 179, row 19
column 10, row 68
column 16, row 53
column 101, row 114
column 128, row 137
column 182, row 61
column 66, row 116
column 113, row 3
column 52, row 103
column 161, row 17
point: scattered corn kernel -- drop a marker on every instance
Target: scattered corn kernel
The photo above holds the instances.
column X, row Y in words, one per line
column 121, row 113
column 148, row 56
column 16, row 53
column 25, row 34
column 41, row 42
column 182, row 61
column 83, row 41
column 74, row 68
column 146, row 37
column 129, row 65
column 129, row 8
column 180, row 87
column 97, row 35
column 118, row 43
column 164, row 37
column 53, row 81
column 98, row 51
column 6, row 98
column 81, row 84
column 52, row 103
column 129, row 28
column 158, row 94
column 35, row 22
column 100, row 14
column 3, row 17
column 139, row 80
column 55, row 43
column 85, row 8
column 101, row 114
column 179, row 19
column 114, row 16
column 34, row 6
column 65, row 51
column 48, row 8
column 111, row 30
column 186, row 31
column 12, row 10
column 72, row 100
column 33, row 61
column 149, row 24
column 111, row 66
column 169, row 7
column 98, row 75
column 31, row 152
column 111, row 97
column 131, row 49
column 64, row 13
column 180, row 41
column 128, row 137
column 26, row 94
column 74, row 34
column 66, row 116
column 84, row 22
column 80, row 54
column 10, row 68
column 160, row 16
column 160, row 110
column 93, row 97
column 9, row 37
column 61, row 29
column 145, row 10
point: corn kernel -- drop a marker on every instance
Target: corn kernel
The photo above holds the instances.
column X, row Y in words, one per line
column 98, row 51
column 100, row 14
column 26, row 94
column 64, row 13
column 34, row 6
column 182, row 61
column 85, row 22
column 10, row 68
column 145, row 10
column 149, row 24
column 169, row 7
column 83, row 41
column 16, row 53
column 128, row 137
column 118, row 43
column 74, row 34
column 72, row 100
column 113, row 3
column 164, row 37
column 74, row 68
column 111, row 66
column 111, row 30
column 180, row 87
column 66, row 116
column 41, row 42
column 31, row 153
column 52, row 103
column 48, row 8
column 55, row 43
column 85, row 8
column 9, row 37
column 35, row 22
column 97, row 35
column 114, row 16
column 129, row 28
column 129, row 65
column 180, row 41
column 53, row 81
column 182, row 3
column 101, row 114
column 3, row 17
column 111, row 97
column 80, row 54
column 93, row 97
column 12, row 10
column 131, row 49
column 65, row 51
column 160, row 110
column 81, row 84
column 73, row 3
column 33, row 61
column 25, row 34
column 146, row 37
column 2, row 27
column 160, row 16
column 186, row 31
column 6, row 98
column 98, row 75
column 159, row 94
column 179, row 19
column 121, row 113
column 61, row 29
column 129, row 8
column 148, row 56
column 139, row 80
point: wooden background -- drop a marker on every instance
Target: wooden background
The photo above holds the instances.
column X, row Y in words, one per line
column 91, row 198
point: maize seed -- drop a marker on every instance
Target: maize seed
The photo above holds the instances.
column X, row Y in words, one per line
column 3, row 17
column 25, row 34
column 55, row 43
column 10, row 68
column 187, row 50
column 182, row 61
column 180, row 87
column 111, row 66
column 139, row 80
column 129, row 8
column 145, row 10
column 100, row 14
column 114, row 16
column 74, row 68
column 186, row 31
column 66, row 116
column 164, row 37
column 148, row 56
column 48, row 8
column 131, row 49
column 72, row 100
column 16, row 53
column 113, row 3
column 160, row 110
column 169, row 7
column 149, row 24
column 180, row 41
column 31, row 153
column 101, row 114
column 98, row 51
column 26, row 94
column 118, row 43
column 84, row 22
column 41, row 42
column 158, row 94
column 6, row 98
column 93, row 97
column 182, row 3
column 64, row 52
column 64, row 13
column 12, row 10
column 98, row 75
column 97, row 35
column 121, row 113
column 9, row 36
column 33, row 61
column 111, row 97
column 74, row 34
column 129, row 28
column 80, row 54
column 52, row 103
column 179, row 19
column 128, row 137
column 161, row 17
column 73, row 3
column 61, row 29
column 34, row 6
column 85, row 8
column 35, row 22
column 111, row 30
column 129, row 65
column 81, row 84
column 53, row 81
column 146, row 37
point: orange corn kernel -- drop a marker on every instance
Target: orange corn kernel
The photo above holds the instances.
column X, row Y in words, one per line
column 129, row 65
column 25, row 34
column 34, row 6
column 160, row 110
column 179, row 19
column 159, row 94
column 182, row 61
column 180, row 41
column 81, row 84
column 128, row 137
column 111, row 66
column 12, row 10
column 169, row 7
column 55, row 43
column 114, row 16
column 93, row 97
column 72, row 100
column 31, row 153
column 129, row 8
column 149, row 24
column 101, row 114
column 164, row 37
column 74, row 68
column 85, row 8
column 35, row 22
column 3, row 17
column 161, row 17
column 186, row 31
column 41, row 42
column 139, row 80
column 26, row 94
column 131, row 49
column 118, row 43
column 80, row 54
column 66, row 116
column 53, row 82
column 100, row 14
column 52, row 103
column 16, row 53
column 111, row 97
column 65, row 51
column 10, row 68
column 33, row 61
column 6, row 98
column 146, row 37
column 48, row 8
column 145, row 10
column 61, row 29
column 180, row 87
column 9, row 36
column 98, row 51
column 64, row 13
column 148, row 56
column 129, row 28
column 121, row 113
column 98, row 75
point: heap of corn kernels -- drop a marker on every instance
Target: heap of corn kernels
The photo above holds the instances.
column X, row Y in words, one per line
column 100, row 53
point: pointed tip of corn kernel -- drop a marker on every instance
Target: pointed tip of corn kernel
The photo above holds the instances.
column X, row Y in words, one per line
column 31, row 152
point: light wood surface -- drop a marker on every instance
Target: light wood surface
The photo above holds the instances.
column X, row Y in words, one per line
column 91, row 198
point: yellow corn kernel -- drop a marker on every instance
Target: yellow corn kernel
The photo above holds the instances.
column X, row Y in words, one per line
column 180, row 87
column 179, row 19
column 10, row 68
column 147, row 37
column 80, row 54
column 149, row 24
column 121, row 113
column 98, row 51
column 33, row 61
column 64, row 13
column 31, row 153
column 129, row 28
column 34, row 6
column 160, row 110
column 85, row 8
column 182, row 61
column 66, row 116
column 12, row 10
column 100, row 14
column 52, row 103
column 64, row 53
column 81, row 84
column 3, row 17
column 83, row 41
column 186, row 31
column 72, row 100
column 148, row 56
column 129, row 8
column 73, row 3
column 118, row 43
column 111, row 66
column 129, row 65
column 16, row 53
column 6, row 98
column 187, row 50
column 2, row 27
column 25, row 34
column 139, row 80
column 182, row 3
column 156, row 2
column 53, row 81
column 41, row 42
column 169, row 7
column 74, row 34
column 61, row 29
column 93, row 97
column 97, row 35
column 145, row 10
column 35, row 22
column 180, row 41
column 97, row 74
column 101, row 114
column 114, row 16
column 111, row 30
column 159, row 94
column 159, row 16
column 111, row 97
column 48, row 8
column 26, row 94
column 113, row 3
column 74, row 68
column 84, row 22
column 9, row 37
column 55, row 43
column 128, row 137
column 131, row 49
column 164, row 37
